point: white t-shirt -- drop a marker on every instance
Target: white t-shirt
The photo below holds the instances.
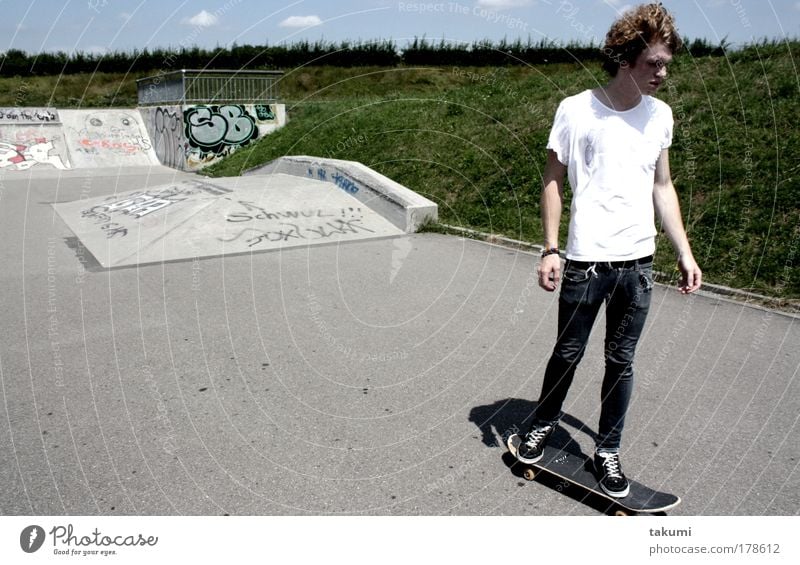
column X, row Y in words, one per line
column 611, row 159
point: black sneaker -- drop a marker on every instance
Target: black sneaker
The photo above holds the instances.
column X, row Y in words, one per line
column 609, row 473
column 532, row 447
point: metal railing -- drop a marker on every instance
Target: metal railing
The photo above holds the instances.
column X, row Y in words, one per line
column 190, row 86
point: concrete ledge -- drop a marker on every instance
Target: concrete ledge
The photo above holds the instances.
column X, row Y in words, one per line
column 401, row 206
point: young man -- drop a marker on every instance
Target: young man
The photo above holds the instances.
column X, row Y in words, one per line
column 613, row 142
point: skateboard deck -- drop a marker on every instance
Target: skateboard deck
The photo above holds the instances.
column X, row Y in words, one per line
column 576, row 469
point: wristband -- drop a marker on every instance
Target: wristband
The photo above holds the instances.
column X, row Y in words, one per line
column 551, row 251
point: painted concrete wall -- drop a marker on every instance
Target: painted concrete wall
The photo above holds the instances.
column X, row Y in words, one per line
column 182, row 137
column 195, row 136
column 165, row 126
column 31, row 137
column 107, row 138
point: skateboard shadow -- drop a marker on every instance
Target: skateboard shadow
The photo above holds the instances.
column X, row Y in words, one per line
column 503, row 418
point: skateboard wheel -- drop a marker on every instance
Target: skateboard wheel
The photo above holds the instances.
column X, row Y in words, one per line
column 529, row 474
column 620, row 512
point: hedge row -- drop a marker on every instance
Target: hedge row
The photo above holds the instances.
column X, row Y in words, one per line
column 344, row 54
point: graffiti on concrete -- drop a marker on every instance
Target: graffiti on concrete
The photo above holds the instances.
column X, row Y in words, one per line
column 322, row 174
column 310, row 224
column 20, row 157
column 254, row 212
column 217, row 130
column 93, row 145
column 285, row 232
column 340, row 180
column 141, row 203
column 344, row 183
column 113, row 229
column 167, row 132
column 111, row 131
column 264, row 113
column 28, row 115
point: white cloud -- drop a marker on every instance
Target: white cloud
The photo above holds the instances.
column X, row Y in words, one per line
column 301, row 21
column 202, row 19
column 503, row 4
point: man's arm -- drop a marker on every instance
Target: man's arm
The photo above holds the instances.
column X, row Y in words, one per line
column 665, row 201
column 552, row 201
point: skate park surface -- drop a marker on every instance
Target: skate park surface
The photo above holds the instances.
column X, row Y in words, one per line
column 372, row 376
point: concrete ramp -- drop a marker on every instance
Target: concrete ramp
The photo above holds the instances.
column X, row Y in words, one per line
column 190, row 219
column 107, row 138
column 400, row 205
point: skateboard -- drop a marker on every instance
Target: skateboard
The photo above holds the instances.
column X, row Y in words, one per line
column 577, row 469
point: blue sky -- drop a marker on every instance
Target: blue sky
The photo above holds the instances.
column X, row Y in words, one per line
column 109, row 25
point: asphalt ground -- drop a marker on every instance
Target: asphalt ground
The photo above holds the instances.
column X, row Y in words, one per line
column 366, row 378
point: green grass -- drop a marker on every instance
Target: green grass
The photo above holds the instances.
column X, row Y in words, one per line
column 71, row 91
column 473, row 140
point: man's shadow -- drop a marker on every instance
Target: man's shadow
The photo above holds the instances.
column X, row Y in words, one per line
column 503, row 418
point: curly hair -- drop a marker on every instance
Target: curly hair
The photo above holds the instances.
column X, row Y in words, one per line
column 634, row 31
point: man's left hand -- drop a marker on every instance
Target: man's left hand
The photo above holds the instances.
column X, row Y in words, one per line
column 691, row 276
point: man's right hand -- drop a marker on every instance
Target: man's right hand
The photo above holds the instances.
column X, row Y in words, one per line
column 550, row 272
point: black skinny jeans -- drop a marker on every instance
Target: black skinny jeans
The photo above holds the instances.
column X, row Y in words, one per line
column 626, row 291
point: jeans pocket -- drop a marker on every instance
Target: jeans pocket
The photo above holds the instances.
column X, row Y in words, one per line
column 575, row 285
column 576, row 276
